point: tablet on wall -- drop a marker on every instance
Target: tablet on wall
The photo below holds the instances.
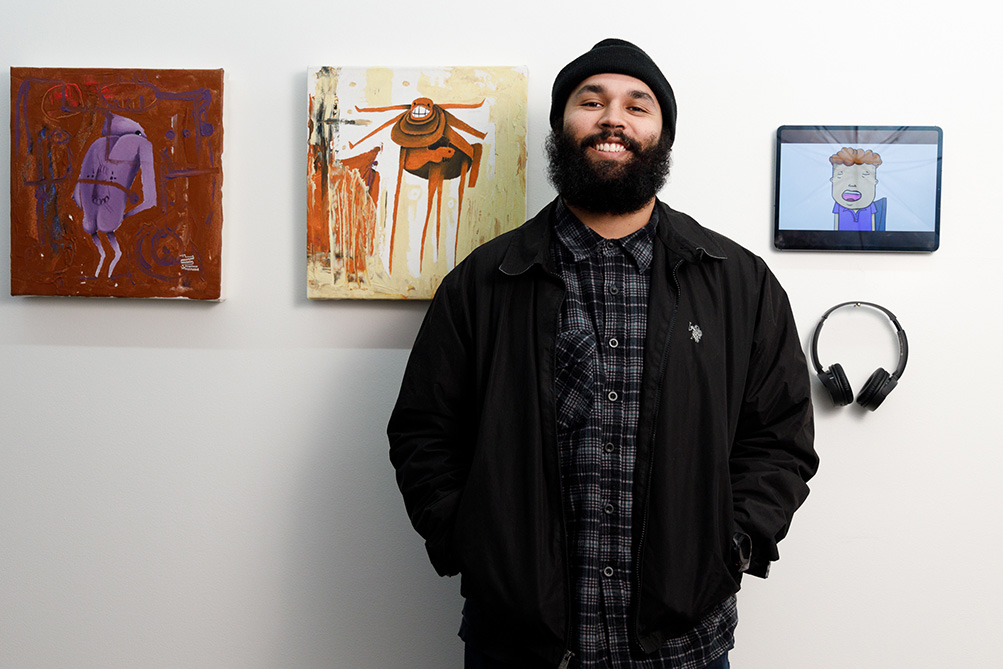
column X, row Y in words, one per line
column 858, row 188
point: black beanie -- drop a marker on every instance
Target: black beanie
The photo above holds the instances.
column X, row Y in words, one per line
column 615, row 56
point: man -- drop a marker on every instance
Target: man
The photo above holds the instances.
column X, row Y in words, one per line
column 606, row 418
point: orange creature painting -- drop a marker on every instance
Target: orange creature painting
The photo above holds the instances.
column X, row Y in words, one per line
column 390, row 150
column 432, row 149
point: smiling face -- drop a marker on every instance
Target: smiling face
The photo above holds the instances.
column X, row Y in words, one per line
column 421, row 110
column 610, row 156
column 613, row 116
column 853, row 186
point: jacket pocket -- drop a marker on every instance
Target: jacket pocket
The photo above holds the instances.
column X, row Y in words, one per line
column 575, row 377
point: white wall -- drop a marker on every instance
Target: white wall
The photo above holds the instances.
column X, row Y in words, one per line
column 192, row 485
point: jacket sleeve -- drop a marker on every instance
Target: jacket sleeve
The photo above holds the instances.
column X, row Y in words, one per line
column 772, row 456
column 430, row 426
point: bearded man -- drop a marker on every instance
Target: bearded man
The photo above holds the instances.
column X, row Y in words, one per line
column 605, row 420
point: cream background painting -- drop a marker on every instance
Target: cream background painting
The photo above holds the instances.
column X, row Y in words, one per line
column 350, row 236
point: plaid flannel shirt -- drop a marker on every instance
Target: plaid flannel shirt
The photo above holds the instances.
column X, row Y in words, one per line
column 600, row 353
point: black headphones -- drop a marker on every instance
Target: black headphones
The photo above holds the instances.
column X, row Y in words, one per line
column 879, row 384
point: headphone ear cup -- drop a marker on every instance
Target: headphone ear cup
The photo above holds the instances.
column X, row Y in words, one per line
column 837, row 384
column 876, row 389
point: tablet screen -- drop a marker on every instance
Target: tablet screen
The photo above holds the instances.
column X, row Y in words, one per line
column 858, row 188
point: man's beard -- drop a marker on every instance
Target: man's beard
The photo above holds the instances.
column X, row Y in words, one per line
column 608, row 187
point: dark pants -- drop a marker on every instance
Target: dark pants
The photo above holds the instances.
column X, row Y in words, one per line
column 476, row 659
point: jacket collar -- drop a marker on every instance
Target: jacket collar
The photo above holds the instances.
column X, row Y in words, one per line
column 686, row 237
column 682, row 235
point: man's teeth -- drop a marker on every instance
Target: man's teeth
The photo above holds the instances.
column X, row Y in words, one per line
column 610, row 147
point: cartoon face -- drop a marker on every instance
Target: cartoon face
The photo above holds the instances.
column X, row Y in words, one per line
column 853, row 186
column 421, row 110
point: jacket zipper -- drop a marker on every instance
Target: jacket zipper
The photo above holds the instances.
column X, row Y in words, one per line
column 651, row 460
column 566, row 660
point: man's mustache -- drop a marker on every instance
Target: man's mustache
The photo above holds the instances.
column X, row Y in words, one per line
column 597, row 138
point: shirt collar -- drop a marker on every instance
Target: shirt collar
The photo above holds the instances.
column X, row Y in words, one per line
column 582, row 241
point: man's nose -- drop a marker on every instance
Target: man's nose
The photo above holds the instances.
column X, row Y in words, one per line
column 612, row 117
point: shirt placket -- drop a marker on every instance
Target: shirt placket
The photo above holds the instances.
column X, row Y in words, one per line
column 612, row 329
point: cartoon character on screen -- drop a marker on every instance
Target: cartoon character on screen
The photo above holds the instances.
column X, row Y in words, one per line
column 103, row 189
column 854, row 182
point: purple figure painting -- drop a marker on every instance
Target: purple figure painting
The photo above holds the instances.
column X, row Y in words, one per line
column 106, row 175
column 116, row 182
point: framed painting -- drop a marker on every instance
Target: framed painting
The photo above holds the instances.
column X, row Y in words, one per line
column 116, row 182
column 409, row 169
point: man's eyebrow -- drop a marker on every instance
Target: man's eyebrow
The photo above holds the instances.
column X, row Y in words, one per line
column 642, row 95
column 599, row 89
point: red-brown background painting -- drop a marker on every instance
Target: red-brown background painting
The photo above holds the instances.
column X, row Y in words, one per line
column 116, row 182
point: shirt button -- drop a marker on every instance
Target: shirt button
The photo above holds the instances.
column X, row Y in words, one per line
column 609, row 508
column 613, row 343
column 608, row 572
column 613, row 290
column 609, row 447
column 613, row 397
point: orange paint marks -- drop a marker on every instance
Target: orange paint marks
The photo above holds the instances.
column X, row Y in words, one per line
column 353, row 226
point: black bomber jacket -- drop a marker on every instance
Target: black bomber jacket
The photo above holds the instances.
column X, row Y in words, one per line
column 724, row 439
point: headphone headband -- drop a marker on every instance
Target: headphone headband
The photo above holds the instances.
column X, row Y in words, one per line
column 903, row 341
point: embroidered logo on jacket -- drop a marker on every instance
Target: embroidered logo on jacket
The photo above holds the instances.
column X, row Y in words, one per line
column 695, row 333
